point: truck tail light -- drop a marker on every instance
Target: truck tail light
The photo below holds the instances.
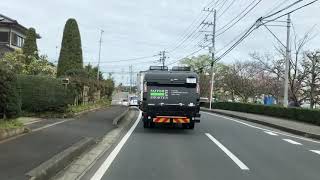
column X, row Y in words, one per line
column 198, row 88
column 145, row 89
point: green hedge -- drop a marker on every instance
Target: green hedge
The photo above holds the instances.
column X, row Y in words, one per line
column 10, row 104
column 299, row 114
column 39, row 93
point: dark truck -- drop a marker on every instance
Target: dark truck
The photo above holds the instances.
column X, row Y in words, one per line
column 169, row 97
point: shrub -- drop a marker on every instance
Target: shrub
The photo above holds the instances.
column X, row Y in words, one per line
column 71, row 51
column 30, row 48
column 299, row 114
column 40, row 93
column 10, row 103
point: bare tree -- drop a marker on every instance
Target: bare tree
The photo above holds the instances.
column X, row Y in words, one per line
column 240, row 80
column 270, row 74
column 311, row 65
column 297, row 73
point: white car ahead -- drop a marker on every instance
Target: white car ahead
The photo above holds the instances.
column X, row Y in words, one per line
column 133, row 101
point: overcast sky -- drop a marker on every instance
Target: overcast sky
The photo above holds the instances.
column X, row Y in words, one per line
column 138, row 28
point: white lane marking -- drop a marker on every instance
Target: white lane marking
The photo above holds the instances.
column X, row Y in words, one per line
column 35, row 130
column 249, row 125
column 50, row 125
column 106, row 164
column 230, row 154
column 292, row 142
column 271, row 133
column 315, row 151
column 32, row 122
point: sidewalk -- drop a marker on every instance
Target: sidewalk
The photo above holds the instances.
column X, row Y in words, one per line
column 291, row 126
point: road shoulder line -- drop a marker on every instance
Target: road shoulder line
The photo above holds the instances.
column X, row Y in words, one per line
column 292, row 142
column 106, row 164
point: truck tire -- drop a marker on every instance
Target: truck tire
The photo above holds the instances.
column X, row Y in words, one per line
column 151, row 124
column 146, row 124
column 191, row 125
column 185, row 126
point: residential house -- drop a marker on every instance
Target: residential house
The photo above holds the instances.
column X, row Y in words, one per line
column 12, row 35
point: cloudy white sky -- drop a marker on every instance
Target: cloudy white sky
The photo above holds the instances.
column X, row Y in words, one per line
column 137, row 28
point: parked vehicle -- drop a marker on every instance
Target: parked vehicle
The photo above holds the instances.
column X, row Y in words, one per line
column 169, row 97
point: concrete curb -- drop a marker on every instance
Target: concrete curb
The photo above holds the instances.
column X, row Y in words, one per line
column 120, row 117
column 9, row 133
column 85, row 162
column 58, row 162
column 286, row 129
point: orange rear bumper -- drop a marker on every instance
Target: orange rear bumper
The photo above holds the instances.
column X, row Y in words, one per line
column 169, row 119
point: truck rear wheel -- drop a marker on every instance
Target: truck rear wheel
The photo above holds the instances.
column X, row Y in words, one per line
column 146, row 124
column 191, row 125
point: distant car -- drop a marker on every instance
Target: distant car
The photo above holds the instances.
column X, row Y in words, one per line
column 134, row 101
column 125, row 102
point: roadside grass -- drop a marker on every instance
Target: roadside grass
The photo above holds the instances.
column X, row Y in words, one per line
column 73, row 110
column 10, row 124
column 46, row 114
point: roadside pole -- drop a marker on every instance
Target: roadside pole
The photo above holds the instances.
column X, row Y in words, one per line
column 100, row 43
column 286, row 74
column 213, row 56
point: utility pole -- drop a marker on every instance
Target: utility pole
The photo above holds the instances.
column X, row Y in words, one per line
column 130, row 79
column 163, row 58
column 288, row 56
column 100, row 43
column 212, row 50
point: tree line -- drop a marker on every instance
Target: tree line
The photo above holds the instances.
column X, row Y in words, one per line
column 70, row 66
column 263, row 74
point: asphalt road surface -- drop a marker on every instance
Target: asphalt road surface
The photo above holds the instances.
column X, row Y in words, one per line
column 219, row 148
column 20, row 155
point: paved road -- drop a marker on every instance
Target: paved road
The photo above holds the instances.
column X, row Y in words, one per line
column 218, row 148
column 20, row 155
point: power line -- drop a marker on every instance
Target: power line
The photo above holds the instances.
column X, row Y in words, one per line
column 258, row 24
column 277, row 5
column 124, row 60
column 233, row 24
column 222, row 4
column 289, row 6
column 246, row 34
column 308, row 4
column 190, row 27
column 220, row 15
column 190, row 35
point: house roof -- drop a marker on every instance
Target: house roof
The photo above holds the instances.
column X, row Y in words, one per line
column 4, row 20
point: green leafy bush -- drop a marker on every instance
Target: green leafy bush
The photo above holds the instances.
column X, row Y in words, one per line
column 12, row 124
column 299, row 114
column 10, row 104
column 42, row 93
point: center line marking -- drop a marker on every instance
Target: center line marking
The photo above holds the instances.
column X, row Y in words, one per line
column 315, row 151
column 229, row 153
column 271, row 133
column 106, row 164
column 292, row 142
